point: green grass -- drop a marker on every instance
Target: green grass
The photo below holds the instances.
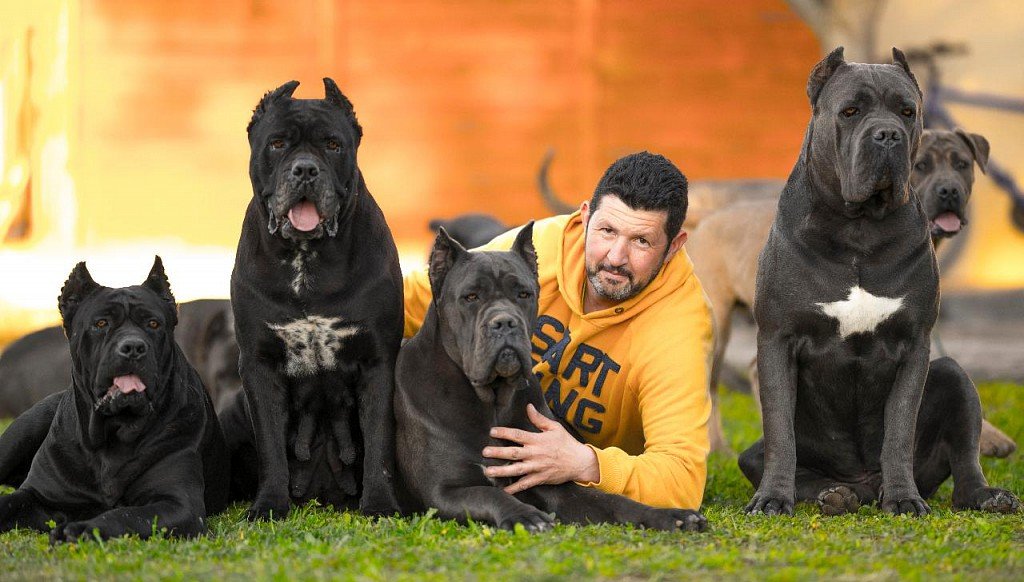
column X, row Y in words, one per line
column 316, row 542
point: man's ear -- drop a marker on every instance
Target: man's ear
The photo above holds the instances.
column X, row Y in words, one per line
column 821, row 73
column 158, row 283
column 676, row 243
column 978, row 146
column 523, row 246
column 443, row 256
column 78, row 286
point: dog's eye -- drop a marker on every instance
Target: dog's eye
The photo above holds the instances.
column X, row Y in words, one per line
column 908, row 112
column 525, row 294
column 921, row 166
column 101, row 323
column 850, row 111
column 961, row 165
column 333, row 146
column 277, row 144
column 153, row 324
column 470, row 297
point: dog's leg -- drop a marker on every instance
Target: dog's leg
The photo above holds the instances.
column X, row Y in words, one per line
column 715, row 433
column 489, row 504
column 775, row 490
column 267, row 401
column 573, row 503
column 23, row 509
column 994, row 442
column 950, row 423
column 21, row 440
column 899, row 491
column 377, row 423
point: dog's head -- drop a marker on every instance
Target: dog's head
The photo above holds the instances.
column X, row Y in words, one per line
column 865, row 132
column 487, row 305
column 122, row 348
column 470, row 230
column 302, row 161
column 944, row 176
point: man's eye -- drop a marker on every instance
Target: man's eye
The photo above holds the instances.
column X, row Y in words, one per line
column 643, row 242
column 471, row 297
column 850, row 111
column 277, row 144
column 153, row 324
column 101, row 323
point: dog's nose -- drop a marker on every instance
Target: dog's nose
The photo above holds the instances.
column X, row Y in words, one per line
column 132, row 348
column 949, row 193
column 305, row 170
column 886, row 137
column 502, row 323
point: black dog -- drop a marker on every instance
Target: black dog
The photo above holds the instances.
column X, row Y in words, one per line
column 317, row 297
column 134, row 443
column 470, row 230
column 39, row 364
column 847, row 293
column 469, row 369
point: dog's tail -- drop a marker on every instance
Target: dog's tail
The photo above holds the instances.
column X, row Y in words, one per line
column 551, row 199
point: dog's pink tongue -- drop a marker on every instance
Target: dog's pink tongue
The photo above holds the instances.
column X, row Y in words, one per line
column 128, row 384
column 304, row 216
column 948, row 221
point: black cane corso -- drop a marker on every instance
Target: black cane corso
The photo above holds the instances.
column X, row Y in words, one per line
column 469, row 369
column 847, row 293
column 317, row 297
column 134, row 444
column 470, row 230
column 39, row 363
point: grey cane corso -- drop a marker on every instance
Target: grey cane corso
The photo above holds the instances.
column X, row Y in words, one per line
column 847, row 293
column 317, row 297
column 469, row 369
column 133, row 445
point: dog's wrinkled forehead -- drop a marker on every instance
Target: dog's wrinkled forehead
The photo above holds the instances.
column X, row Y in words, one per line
column 136, row 302
column 490, row 270
column 306, row 119
column 864, row 82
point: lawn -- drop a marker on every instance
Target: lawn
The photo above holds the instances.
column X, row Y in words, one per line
column 317, row 542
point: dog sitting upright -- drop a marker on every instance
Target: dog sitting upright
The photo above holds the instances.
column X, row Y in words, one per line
column 134, row 443
column 847, row 293
column 317, row 297
column 469, row 369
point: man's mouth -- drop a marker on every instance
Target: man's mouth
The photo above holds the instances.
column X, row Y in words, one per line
column 304, row 216
column 947, row 224
column 617, row 273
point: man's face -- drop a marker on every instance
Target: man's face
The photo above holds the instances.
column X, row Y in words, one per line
column 625, row 249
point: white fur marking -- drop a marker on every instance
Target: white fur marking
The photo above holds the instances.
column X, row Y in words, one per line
column 312, row 343
column 861, row 311
column 299, row 264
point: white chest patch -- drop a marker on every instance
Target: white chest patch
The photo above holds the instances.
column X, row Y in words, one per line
column 861, row 311
column 312, row 343
column 301, row 268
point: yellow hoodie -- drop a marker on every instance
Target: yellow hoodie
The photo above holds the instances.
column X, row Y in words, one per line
column 631, row 380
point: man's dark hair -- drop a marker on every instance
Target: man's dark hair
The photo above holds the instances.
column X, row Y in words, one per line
column 646, row 181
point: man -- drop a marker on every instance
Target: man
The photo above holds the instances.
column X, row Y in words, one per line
column 621, row 347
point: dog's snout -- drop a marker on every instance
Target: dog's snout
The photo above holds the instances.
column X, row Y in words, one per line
column 948, row 193
column 132, row 348
column 502, row 323
column 305, row 170
column 886, row 137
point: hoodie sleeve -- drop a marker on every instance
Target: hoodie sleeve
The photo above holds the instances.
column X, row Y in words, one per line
column 674, row 407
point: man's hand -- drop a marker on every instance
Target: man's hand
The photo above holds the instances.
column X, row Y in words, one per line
column 549, row 457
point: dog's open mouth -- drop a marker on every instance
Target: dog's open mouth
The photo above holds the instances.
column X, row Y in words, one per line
column 947, row 224
column 507, row 364
column 304, row 216
column 125, row 392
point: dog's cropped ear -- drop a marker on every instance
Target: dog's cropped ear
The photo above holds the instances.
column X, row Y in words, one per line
column 283, row 92
column 821, row 73
column 78, row 286
column 443, row 256
column 334, row 96
column 978, row 145
column 899, row 59
column 523, row 246
column 158, row 283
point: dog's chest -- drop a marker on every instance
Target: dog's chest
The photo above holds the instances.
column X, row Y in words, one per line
column 312, row 344
column 861, row 311
column 301, row 265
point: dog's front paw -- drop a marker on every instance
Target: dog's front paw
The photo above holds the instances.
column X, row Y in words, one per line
column 268, row 509
column 989, row 499
column 906, row 505
column 75, row 531
column 838, row 500
column 380, row 505
column 994, row 442
column 675, row 520
column 531, row 518
column 770, row 503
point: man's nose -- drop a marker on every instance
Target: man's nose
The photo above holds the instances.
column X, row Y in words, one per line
column 618, row 253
